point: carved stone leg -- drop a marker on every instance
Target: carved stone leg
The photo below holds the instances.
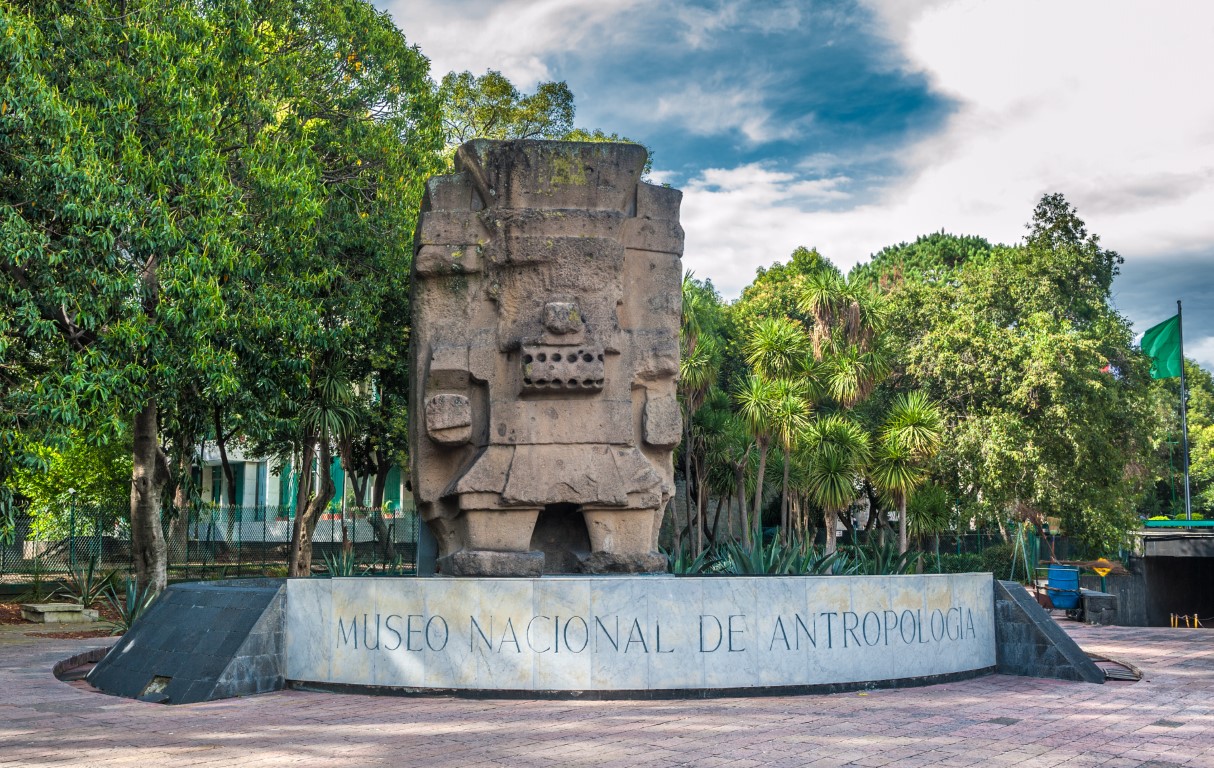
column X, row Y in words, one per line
column 621, row 541
column 497, row 542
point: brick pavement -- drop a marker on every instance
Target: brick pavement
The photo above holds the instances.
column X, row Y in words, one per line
column 1163, row 721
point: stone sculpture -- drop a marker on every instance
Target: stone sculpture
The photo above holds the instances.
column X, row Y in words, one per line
column 546, row 306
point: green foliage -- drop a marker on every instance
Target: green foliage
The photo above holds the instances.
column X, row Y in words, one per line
column 775, row 557
column 874, row 559
column 128, row 606
column 998, row 560
column 204, row 208
column 342, row 563
column 88, row 585
column 1014, row 347
column 75, row 478
column 489, row 106
column 1167, row 493
column 930, row 511
column 965, row 562
column 931, row 258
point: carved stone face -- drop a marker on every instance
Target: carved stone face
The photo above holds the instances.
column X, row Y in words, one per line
column 547, row 285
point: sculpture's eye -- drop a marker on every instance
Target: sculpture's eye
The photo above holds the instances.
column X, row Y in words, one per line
column 526, row 358
column 556, row 357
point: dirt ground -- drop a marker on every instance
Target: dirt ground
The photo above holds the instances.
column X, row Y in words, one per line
column 10, row 613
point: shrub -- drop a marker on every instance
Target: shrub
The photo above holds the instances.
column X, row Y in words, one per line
column 963, row 563
column 998, row 560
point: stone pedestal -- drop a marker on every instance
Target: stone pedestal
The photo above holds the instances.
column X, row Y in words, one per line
column 58, row 613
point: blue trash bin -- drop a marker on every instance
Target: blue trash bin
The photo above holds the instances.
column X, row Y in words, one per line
column 1063, row 586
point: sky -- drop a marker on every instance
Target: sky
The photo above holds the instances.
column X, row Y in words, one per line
column 850, row 125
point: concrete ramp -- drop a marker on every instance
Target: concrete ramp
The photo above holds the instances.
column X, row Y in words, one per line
column 200, row 642
column 1029, row 643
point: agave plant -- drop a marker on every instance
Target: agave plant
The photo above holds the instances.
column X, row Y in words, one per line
column 128, row 607
column 344, row 563
column 878, row 560
column 682, row 561
column 88, row 585
column 759, row 558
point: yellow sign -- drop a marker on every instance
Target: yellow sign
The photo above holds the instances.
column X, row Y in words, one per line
column 1103, row 568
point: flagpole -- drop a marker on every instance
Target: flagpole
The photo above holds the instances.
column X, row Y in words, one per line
column 1184, row 415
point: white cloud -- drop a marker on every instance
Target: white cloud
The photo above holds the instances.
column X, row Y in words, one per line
column 714, row 110
column 511, row 36
column 1104, row 101
column 1201, row 350
column 701, row 25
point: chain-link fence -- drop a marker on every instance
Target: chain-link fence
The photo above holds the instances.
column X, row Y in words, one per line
column 209, row 542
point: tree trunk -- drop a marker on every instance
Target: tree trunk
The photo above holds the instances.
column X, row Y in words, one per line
column 179, row 524
column 382, row 468
column 757, row 520
column 701, row 508
column 221, row 443
column 716, row 521
column 325, row 493
column 739, row 477
column 830, row 518
column 302, row 495
column 678, row 543
column 784, row 532
column 902, row 543
column 149, row 474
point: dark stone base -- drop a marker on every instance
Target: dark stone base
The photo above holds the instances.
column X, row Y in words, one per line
column 603, row 562
column 200, row 642
column 658, row 694
column 471, row 562
column 1099, row 607
column 1028, row 642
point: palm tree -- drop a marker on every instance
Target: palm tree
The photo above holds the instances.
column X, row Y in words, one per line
column 911, row 435
column 790, row 422
column 756, row 400
column 839, row 451
column 776, row 347
column 328, row 416
column 699, row 366
column 697, row 375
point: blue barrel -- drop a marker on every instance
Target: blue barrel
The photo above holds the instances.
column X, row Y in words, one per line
column 1064, row 586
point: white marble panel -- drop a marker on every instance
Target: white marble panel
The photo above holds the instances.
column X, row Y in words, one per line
column 309, row 614
column 620, row 633
column 636, row 633
column 675, row 604
column 559, row 635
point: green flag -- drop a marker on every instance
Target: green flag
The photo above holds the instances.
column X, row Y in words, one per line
column 1162, row 342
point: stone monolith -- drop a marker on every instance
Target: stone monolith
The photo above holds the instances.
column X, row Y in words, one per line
column 546, row 306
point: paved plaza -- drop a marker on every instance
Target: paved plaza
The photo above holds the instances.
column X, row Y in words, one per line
column 1165, row 720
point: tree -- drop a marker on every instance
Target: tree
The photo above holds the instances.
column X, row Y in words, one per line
column 164, row 161
column 910, row 437
column 699, row 366
column 756, row 400
column 490, row 107
column 930, row 258
column 839, row 451
column 114, row 273
column 777, row 349
column 1044, row 396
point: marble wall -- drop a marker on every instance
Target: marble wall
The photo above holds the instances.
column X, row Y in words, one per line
column 637, row 633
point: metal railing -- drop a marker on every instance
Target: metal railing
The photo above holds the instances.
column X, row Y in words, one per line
column 208, row 542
